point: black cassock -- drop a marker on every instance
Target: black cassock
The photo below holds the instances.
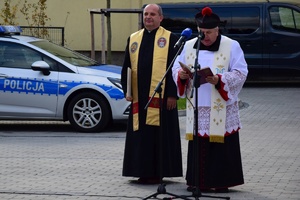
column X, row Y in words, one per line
column 141, row 155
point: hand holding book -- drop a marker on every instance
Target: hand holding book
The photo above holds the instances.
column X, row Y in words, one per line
column 203, row 72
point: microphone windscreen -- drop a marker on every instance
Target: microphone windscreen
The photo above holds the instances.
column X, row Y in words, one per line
column 186, row 33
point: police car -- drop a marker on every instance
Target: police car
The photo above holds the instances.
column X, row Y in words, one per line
column 40, row 80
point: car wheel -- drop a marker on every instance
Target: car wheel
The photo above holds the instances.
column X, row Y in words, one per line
column 88, row 112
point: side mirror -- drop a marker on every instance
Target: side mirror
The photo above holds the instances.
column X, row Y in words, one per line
column 41, row 66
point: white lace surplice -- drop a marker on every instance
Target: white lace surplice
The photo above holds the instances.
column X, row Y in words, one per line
column 233, row 82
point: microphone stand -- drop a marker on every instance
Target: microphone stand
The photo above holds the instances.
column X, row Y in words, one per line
column 196, row 84
column 161, row 188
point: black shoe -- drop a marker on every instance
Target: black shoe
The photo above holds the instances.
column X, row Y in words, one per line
column 191, row 188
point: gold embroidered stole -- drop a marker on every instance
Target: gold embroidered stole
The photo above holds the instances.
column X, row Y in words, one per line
column 160, row 56
column 218, row 104
column 190, row 56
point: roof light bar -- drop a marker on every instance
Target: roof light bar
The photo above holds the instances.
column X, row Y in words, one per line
column 9, row 29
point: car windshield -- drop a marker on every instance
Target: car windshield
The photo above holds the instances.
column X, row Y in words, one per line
column 65, row 54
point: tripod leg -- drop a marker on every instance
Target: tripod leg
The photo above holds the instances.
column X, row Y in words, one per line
column 175, row 196
column 152, row 195
column 197, row 195
column 162, row 190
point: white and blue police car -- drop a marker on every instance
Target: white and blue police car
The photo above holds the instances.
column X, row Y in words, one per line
column 40, row 80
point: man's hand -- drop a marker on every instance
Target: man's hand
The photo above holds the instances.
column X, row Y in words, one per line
column 183, row 74
column 213, row 79
column 128, row 98
column 171, row 103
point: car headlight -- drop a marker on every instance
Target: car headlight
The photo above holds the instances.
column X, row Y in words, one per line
column 116, row 82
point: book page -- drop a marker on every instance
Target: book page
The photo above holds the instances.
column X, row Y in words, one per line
column 186, row 68
column 203, row 72
column 128, row 93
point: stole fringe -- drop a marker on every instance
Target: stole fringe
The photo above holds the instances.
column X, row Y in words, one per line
column 189, row 136
column 212, row 138
column 216, row 138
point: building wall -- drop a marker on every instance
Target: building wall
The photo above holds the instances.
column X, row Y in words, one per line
column 74, row 16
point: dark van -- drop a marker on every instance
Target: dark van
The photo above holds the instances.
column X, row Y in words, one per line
column 268, row 32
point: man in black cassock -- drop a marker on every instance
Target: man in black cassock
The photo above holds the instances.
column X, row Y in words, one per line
column 146, row 51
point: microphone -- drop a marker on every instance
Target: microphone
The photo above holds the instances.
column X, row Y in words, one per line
column 185, row 34
column 201, row 35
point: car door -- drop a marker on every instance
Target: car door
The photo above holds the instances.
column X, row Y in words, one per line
column 25, row 93
column 283, row 42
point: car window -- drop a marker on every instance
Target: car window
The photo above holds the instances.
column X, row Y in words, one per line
column 234, row 20
column 12, row 55
column 65, row 54
column 19, row 56
column 33, row 56
column 285, row 19
column 237, row 20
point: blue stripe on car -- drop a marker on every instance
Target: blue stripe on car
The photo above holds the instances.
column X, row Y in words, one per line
column 48, row 87
column 108, row 68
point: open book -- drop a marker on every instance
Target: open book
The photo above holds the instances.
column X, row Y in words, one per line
column 203, row 72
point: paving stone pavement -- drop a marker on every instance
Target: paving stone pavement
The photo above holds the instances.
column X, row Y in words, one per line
column 57, row 163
